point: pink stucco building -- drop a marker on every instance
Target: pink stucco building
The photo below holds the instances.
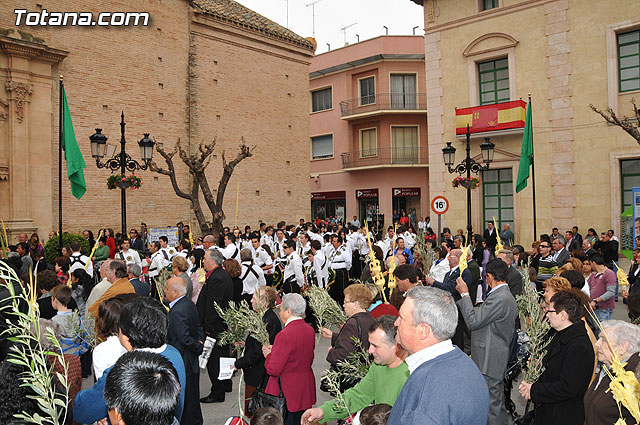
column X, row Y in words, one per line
column 368, row 125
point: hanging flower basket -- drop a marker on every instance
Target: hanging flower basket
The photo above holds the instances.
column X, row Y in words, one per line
column 118, row 181
column 466, row 182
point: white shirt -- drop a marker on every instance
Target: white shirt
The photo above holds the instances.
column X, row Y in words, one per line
column 340, row 258
column 409, row 239
column 422, row 225
column 130, row 257
column 416, row 359
column 438, row 271
column 279, row 248
column 106, row 354
column 78, row 261
column 252, row 277
column 185, row 254
column 261, row 258
column 321, row 267
column 231, row 251
column 169, row 253
column 293, row 268
column 157, row 263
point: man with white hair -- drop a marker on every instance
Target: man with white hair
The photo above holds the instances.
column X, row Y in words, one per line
column 218, row 289
column 186, row 336
column 100, row 288
column 427, row 321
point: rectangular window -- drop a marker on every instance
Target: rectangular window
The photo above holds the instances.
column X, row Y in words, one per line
column 497, row 196
column 367, row 91
column 321, row 100
column 630, row 175
column 489, row 4
column 629, row 61
column 493, row 77
column 403, row 91
column 322, row 146
column 368, row 142
column 404, row 145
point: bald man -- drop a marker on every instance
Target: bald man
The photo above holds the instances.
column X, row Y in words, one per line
column 208, row 241
column 186, row 335
column 449, row 285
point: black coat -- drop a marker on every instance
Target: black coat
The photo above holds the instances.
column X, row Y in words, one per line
column 514, row 279
column 218, row 288
column 474, row 269
column 185, row 333
column 252, row 361
column 558, row 394
column 141, row 288
column 136, row 244
column 634, row 280
column 491, row 240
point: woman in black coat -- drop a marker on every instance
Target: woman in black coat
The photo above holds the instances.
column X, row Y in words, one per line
column 252, row 360
column 558, row 394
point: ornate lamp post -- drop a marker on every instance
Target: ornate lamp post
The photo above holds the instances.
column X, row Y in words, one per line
column 467, row 166
column 100, row 148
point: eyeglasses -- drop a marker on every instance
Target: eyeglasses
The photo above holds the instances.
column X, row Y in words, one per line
column 545, row 246
column 552, row 311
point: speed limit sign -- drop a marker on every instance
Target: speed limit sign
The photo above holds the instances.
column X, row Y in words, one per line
column 439, row 205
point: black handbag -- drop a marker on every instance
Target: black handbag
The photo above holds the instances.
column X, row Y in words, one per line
column 260, row 398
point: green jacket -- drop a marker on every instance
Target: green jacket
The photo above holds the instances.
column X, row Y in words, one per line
column 101, row 253
column 380, row 385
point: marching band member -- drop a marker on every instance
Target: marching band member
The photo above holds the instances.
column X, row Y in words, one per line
column 293, row 278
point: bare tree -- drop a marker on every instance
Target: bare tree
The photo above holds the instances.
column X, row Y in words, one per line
column 197, row 164
column 626, row 124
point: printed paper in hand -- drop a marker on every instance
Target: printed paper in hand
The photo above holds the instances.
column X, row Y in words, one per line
column 225, row 367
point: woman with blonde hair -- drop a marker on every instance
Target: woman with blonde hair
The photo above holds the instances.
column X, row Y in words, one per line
column 179, row 266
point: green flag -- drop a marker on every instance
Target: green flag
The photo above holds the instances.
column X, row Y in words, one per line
column 72, row 154
column 526, row 153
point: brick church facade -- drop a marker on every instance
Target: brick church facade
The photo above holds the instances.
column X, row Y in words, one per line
column 199, row 70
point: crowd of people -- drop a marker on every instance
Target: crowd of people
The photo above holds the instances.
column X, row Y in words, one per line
column 440, row 346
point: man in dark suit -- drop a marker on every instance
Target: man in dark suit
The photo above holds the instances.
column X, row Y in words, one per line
column 186, row 335
column 490, row 236
column 577, row 235
column 140, row 287
column 449, row 285
column 136, row 242
column 218, row 289
column 492, row 327
column 514, row 278
column 560, row 254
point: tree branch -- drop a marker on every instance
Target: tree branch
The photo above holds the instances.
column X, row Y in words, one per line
column 171, row 172
column 610, row 116
column 227, row 169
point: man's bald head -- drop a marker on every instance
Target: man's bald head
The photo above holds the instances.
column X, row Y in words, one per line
column 454, row 257
column 175, row 288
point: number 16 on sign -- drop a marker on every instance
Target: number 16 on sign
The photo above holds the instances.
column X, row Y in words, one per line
column 439, row 205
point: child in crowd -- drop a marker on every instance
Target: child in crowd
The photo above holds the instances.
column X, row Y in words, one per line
column 71, row 340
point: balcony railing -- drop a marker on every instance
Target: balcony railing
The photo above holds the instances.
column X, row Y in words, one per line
column 384, row 102
column 384, row 156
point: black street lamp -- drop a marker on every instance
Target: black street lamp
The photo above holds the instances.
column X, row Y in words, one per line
column 122, row 161
column 467, row 166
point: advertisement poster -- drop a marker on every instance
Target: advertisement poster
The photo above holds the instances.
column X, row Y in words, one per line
column 170, row 232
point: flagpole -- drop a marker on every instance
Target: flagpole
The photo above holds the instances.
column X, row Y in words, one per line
column 60, row 165
column 533, row 179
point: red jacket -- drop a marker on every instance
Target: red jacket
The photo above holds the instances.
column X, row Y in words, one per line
column 291, row 359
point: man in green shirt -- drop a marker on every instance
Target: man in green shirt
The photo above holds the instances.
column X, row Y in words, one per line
column 381, row 384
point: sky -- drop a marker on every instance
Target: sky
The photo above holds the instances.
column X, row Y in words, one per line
column 369, row 16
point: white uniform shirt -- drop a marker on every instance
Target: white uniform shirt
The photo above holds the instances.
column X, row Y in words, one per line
column 261, row 258
column 130, row 257
column 157, row 263
column 168, row 253
column 78, row 261
column 294, row 268
column 278, row 248
column 267, row 240
column 231, row 251
column 409, row 239
column 252, row 277
column 315, row 236
column 341, row 258
column 321, row 268
column 185, row 254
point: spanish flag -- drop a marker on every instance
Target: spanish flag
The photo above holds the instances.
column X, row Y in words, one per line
column 499, row 116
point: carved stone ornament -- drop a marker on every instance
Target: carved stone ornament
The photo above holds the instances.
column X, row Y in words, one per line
column 19, row 92
column 4, row 108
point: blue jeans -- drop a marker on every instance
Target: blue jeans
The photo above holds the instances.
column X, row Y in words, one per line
column 602, row 315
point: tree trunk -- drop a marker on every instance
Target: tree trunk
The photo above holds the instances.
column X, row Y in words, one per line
column 197, row 164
